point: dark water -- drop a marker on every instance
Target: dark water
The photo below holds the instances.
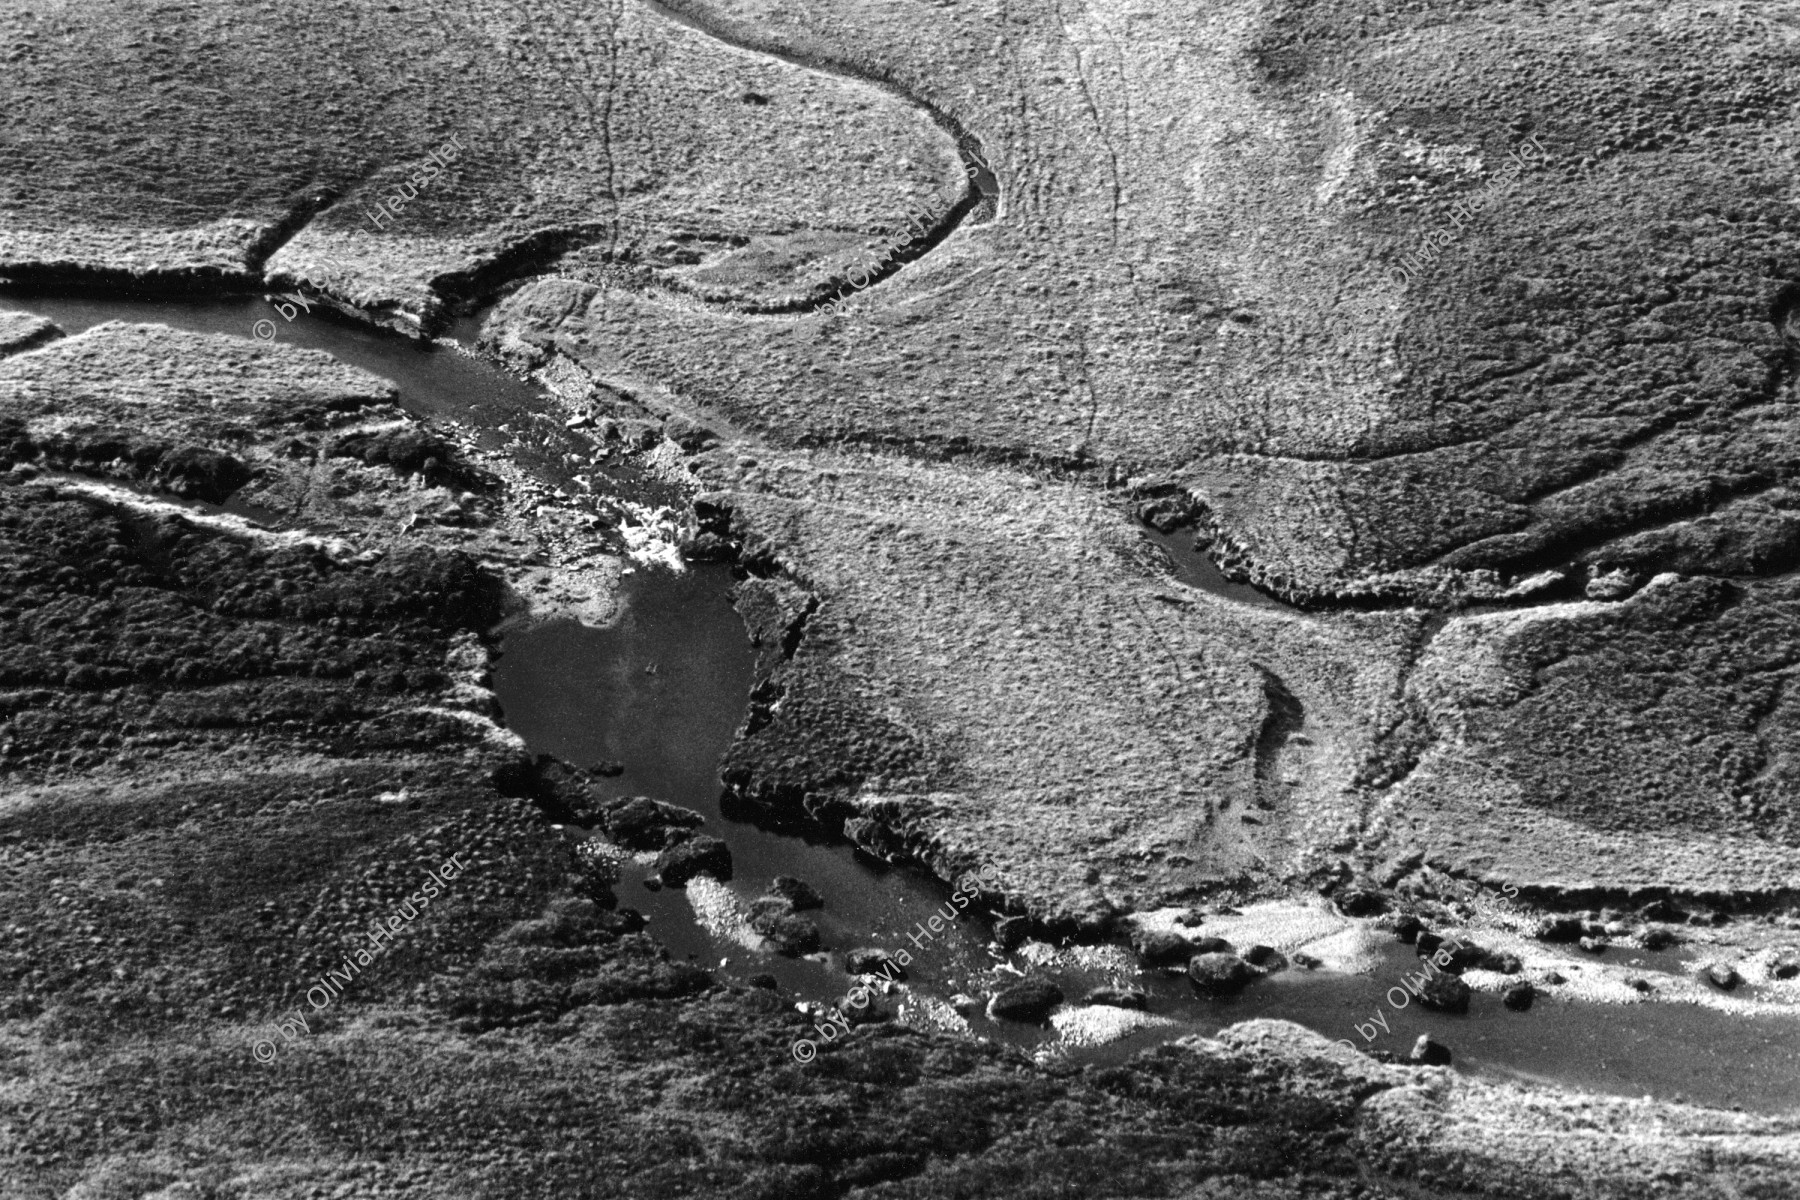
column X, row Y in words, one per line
column 588, row 695
column 434, row 381
column 437, row 379
column 1195, row 568
column 1670, row 1051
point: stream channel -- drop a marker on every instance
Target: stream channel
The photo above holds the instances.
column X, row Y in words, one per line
column 664, row 688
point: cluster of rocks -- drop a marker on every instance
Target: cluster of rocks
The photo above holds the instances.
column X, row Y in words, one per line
column 641, row 823
column 1213, row 965
column 775, row 915
column 1594, row 931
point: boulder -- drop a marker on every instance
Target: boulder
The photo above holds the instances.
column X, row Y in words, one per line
column 1162, row 947
column 1408, row 928
column 696, row 856
column 1505, row 964
column 1659, row 939
column 1519, row 996
column 640, row 823
column 1427, row 1053
column 1029, row 1000
column 1266, row 959
column 790, row 935
column 1219, row 974
column 1117, row 997
column 1452, row 954
column 797, row 893
column 868, row 960
column 1562, row 929
column 1213, row 945
column 1785, row 965
column 1723, row 976
column 1593, row 945
column 1361, row 902
column 1442, row 992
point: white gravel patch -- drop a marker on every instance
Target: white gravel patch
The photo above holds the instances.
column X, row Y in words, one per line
column 1098, row 1024
column 1353, row 950
column 921, row 1011
column 1290, row 926
column 718, row 911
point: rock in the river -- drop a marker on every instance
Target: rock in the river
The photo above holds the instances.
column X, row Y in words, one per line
column 1659, row 939
column 1266, row 959
column 1785, row 965
column 1562, row 929
column 1445, row 993
column 1459, row 956
column 773, row 917
column 1427, row 1053
column 791, row 935
column 697, row 855
column 1519, row 996
column 1117, row 997
column 1213, row 945
column 640, row 823
column 1723, row 976
column 1505, row 964
column 797, row 893
column 1029, row 1000
column 1219, row 973
column 1361, row 902
column 868, row 960
column 1162, row 947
